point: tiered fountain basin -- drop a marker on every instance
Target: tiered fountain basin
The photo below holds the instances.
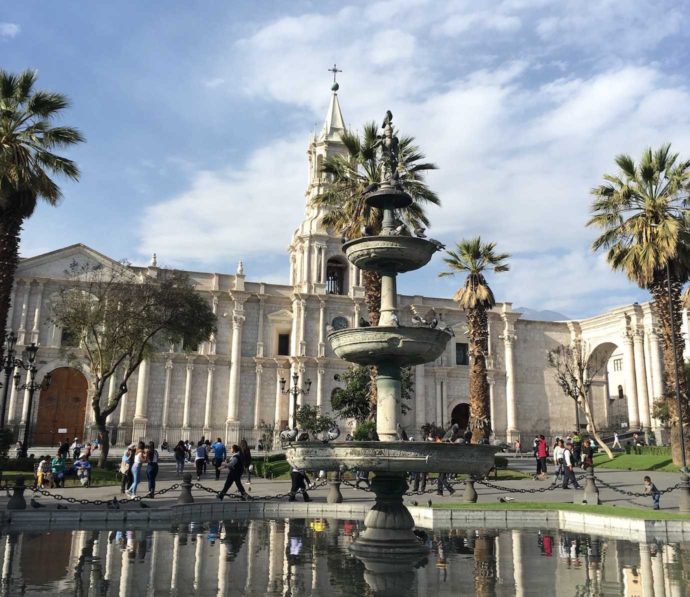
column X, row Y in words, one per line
column 389, row 253
column 394, row 457
column 403, row 346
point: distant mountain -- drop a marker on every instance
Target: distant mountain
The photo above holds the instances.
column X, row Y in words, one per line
column 544, row 315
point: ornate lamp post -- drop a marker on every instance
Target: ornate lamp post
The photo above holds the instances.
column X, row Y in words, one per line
column 31, row 385
column 294, row 390
column 8, row 364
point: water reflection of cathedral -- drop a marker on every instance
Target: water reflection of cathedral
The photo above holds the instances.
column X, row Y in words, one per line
column 309, row 557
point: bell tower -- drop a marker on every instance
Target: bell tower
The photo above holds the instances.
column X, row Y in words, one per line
column 317, row 265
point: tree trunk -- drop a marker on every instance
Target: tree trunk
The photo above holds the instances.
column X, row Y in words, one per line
column 480, row 402
column 584, row 404
column 104, row 436
column 10, row 229
column 372, row 295
column 659, row 291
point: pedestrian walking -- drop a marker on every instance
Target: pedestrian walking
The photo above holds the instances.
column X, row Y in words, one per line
column 362, row 476
column 587, row 454
column 577, row 448
column 616, row 442
column 542, row 455
column 300, row 481
column 180, row 452
column 558, row 460
column 651, row 489
column 219, row 456
column 139, row 461
column 151, row 468
column 569, row 464
column 246, row 456
column 200, row 457
column 419, row 481
column 442, row 482
column 234, row 474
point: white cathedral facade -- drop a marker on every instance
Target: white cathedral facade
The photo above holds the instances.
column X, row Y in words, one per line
column 231, row 386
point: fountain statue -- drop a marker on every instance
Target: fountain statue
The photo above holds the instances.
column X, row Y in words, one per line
column 391, row 346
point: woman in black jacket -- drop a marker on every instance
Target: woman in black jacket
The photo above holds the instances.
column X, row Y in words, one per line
column 246, row 457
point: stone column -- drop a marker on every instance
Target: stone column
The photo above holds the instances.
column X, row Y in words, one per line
column 658, row 572
column 302, row 325
column 186, row 411
column 630, row 383
column 257, row 396
column 112, row 388
column 235, row 363
column 641, row 380
column 36, row 328
column 279, row 398
column 419, row 399
column 260, row 331
column 657, row 375
column 388, row 408
column 208, row 414
column 444, row 401
column 140, row 410
column 439, row 403
column 320, row 372
column 166, row 398
column 388, row 301
column 25, row 408
column 21, row 332
column 12, row 408
column 512, row 432
column 123, row 410
column 321, row 349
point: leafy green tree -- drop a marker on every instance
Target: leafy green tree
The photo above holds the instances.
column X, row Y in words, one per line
column 309, row 418
column 353, row 400
column 347, row 212
column 474, row 258
column 119, row 318
column 27, row 163
column 643, row 213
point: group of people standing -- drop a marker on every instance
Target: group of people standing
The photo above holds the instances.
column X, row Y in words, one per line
column 132, row 466
column 567, row 453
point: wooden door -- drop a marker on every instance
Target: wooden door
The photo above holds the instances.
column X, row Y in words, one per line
column 61, row 408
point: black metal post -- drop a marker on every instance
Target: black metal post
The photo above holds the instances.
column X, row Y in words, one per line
column 294, row 390
column 684, row 501
column 31, row 386
column 5, row 391
column 8, row 364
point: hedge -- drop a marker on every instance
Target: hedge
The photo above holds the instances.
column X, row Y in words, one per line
column 274, row 466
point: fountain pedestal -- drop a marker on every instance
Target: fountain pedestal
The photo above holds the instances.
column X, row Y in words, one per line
column 389, row 523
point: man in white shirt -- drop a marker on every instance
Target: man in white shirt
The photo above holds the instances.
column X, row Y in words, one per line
column 569, row 464
column 616, row 441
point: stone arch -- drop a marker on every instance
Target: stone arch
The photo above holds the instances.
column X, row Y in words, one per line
column 605, row 398
column 460, row 414
column 336, row 275
column 61, row 408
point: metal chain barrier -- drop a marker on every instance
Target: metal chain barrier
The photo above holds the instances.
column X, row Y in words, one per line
column 636, row 493
column 114, row 502
column 551, row 487
column 408, row 493
column 261, row 498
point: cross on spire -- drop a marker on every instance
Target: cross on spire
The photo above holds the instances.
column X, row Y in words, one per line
column 335, row 70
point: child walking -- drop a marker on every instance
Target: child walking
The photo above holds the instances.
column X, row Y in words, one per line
column 651, row 489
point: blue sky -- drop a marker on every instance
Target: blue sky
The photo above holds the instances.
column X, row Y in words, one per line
column 197, row 117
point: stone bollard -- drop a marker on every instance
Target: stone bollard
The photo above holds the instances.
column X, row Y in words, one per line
column 470, row 495
column 334, row 495
column 590, row 494
column 684, row 497
column 185, row 496
column 17, row 501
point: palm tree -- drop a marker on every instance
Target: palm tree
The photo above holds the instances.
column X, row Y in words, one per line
column 347, row 212
column 474, row 258
column 643, row 211
column 27, row 161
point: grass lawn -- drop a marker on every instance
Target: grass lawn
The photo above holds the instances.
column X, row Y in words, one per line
column 638, row 513
column 636, row 462
column 98, row 478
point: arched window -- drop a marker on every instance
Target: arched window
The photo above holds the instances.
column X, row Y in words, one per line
column 335, row 277
column 620, row 392
column 69, row 338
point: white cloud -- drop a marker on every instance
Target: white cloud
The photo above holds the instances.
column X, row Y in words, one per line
column 519, row 140
column 213, row 83
column 9, row 30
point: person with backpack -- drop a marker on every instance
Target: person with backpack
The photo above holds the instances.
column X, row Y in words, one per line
column 180, row 452
column 235, row 470
column 200, row 456
column 300, row 481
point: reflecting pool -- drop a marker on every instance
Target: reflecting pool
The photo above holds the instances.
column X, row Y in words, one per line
column 300, row 557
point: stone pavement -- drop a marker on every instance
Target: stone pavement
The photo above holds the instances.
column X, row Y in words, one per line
column 625, row 480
